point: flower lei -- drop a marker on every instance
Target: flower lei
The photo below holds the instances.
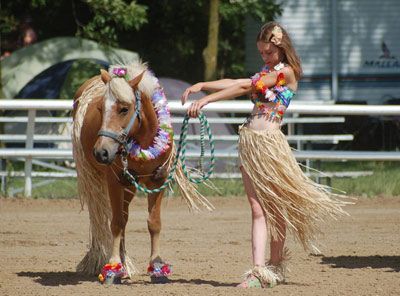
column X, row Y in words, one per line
column 270, row 95
column 159, row 269
column 164, row 135
column 259, row 85
column 111, row 271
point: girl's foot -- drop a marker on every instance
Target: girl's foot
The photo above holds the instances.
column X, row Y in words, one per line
column 262, row 277
column 250, row 282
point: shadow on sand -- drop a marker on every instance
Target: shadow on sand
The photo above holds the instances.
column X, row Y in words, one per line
column 62, row 278
column 375, row 261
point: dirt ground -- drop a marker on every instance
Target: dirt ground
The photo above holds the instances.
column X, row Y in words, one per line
column 41, row 242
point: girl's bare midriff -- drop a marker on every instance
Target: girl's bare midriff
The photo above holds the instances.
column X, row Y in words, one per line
column 258, row 121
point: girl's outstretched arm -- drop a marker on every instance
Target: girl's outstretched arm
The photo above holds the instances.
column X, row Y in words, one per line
column 241, row 87
column 212, row 86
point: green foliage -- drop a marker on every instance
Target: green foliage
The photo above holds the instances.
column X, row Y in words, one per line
column 99, row 20
column 231, row 44
column 108, row 15
column 8, row 23
column 176, row 34
column 80, row 71
column 168, row 34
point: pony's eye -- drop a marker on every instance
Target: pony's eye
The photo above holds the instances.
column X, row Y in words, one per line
column 123, row 110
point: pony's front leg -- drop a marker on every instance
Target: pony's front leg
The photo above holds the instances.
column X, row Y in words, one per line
column 158, row 269
column 154, row 222
column 126, row 261
column 114, row 270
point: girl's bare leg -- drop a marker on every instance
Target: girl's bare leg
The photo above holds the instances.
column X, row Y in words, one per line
column 276, row 246
column 258, row 228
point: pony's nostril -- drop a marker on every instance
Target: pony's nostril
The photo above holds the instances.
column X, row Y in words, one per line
column 104, row 154
column 101, row 155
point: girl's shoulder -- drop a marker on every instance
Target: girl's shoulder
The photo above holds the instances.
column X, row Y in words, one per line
column 288, row 73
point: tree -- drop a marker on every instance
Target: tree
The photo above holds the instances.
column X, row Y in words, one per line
column 170, row 34
column 176, row 34
column 210, row 53
column 98, row 20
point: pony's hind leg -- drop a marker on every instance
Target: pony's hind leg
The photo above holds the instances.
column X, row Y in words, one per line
column 158, row 269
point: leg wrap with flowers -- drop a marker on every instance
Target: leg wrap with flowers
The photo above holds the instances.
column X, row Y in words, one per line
column 159, row 271
column 112, row 274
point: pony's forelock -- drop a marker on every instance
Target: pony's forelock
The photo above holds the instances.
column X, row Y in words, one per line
column 122, row 90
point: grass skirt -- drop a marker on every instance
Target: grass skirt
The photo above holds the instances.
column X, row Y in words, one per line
column 282, row 188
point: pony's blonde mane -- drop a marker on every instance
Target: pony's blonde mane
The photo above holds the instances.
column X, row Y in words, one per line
column 122, row 90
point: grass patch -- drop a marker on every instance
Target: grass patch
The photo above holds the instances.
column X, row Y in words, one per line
column 384, row 181
column 52, row 188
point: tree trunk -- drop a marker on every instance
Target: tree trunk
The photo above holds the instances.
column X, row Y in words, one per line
column 210, row 53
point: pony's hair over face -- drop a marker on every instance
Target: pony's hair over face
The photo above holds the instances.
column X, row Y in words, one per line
column 120, row 88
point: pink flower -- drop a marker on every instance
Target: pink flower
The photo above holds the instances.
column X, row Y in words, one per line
column 120, row 72
column 165, row 269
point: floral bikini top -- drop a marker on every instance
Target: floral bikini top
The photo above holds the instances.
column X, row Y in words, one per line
column 279, row 94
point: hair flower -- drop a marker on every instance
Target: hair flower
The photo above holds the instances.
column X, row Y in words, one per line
column 120, row 72
column 276, row 35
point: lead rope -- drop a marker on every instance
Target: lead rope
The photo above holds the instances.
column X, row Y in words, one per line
column 180, row 155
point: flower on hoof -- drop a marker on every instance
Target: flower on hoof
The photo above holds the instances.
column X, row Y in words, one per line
column 159, row 269
column 110, row 272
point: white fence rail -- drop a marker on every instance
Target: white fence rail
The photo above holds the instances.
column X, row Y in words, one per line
column 33, row 106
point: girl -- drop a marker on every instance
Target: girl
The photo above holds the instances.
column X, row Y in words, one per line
column 279, row 193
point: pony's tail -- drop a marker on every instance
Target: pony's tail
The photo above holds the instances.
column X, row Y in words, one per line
column 93, row 192
column 188, row 190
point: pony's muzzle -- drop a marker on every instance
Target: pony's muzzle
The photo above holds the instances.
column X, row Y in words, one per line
column 103, row 156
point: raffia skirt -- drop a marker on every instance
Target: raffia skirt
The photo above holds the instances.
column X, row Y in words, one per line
column 282, row 188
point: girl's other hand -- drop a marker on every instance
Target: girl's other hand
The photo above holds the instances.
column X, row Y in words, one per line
column 195, row 107
column 193, row 89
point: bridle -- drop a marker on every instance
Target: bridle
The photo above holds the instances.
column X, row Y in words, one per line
column 122, row 137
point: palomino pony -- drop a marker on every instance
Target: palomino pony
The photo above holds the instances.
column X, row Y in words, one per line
column 119, row 113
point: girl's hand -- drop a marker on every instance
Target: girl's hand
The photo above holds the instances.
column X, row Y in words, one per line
column 193, row 89
column 195, row 107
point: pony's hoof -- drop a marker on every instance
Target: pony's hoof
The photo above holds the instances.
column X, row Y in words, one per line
column 112, row 274
column 159, row 280
column 159, row 272
column 112, row 280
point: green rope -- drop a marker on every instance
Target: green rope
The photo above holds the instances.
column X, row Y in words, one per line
column 181, row 155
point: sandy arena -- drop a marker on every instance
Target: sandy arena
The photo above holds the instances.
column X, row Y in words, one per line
column 43, row 240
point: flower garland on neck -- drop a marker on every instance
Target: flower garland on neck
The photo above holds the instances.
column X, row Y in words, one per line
column 277, row 94
column 164, row 135
column 259, row 85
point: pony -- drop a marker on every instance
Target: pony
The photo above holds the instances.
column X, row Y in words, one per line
column 121, row 118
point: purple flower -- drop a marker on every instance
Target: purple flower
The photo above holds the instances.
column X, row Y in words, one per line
column 120, row 72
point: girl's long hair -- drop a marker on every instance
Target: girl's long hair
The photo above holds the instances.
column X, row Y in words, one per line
column 290, row 55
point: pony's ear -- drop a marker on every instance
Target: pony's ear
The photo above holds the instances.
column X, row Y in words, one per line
column 135, row 81
column 105, row 76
